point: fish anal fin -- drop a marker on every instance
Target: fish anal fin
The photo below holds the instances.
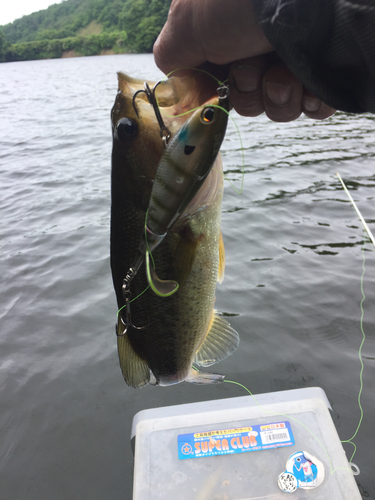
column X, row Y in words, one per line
column 135, row 370
column 221, row 259
column 204, row 378
column 220, row 342
column 184, row 256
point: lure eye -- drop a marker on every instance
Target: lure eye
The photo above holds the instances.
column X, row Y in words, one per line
column 188, row 149
column 208, row 114
column 126, row 130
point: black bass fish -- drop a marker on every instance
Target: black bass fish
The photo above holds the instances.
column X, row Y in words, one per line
column 166, row 209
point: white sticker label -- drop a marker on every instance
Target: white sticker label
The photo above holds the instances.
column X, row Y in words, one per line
column 276, row 435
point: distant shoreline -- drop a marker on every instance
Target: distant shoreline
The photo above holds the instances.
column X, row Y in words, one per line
column 68, row 54
column 72, row 53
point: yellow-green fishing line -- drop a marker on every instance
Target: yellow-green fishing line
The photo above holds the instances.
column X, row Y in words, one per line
column 153, row 263
column 367, row 230
column 195, row 69
column 288, row 417
column 360, row 359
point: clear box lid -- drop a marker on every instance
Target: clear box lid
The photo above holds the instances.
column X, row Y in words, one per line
column 236, row 449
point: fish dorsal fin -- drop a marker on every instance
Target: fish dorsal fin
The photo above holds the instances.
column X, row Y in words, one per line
column 128, row 84
column 221, row 259
column 221, row 341
column 134, row 369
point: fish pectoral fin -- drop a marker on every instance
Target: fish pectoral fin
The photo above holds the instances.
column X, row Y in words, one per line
column 134, row 369
column 221, row 341
column 221, row 259
column 202, row 378
column 163, row 288
column 184, row 256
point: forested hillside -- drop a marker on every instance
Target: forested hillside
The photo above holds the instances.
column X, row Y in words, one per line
column 84, row 27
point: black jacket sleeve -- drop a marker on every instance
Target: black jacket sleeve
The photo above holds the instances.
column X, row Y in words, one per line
column 328, row 44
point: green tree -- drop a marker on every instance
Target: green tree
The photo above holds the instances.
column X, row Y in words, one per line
column 47, row 35
column 122, row 40
column 68, row 43
column 125, row 25
column 109, row 16
column 148, row 31
column 2, row 42
column 143, row 21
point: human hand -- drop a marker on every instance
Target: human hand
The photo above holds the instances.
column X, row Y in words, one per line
column 264, row 84
column 222, row 32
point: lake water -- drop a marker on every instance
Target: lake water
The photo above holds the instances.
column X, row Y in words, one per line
column 293, row 278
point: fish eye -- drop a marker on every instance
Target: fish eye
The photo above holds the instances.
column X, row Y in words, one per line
column 208, row 114
column 126, row 130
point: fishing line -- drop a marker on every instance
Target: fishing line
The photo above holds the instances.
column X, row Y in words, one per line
column 224, row 176
column 350, row 441
column 290, row 418
column 367, row 229
column 135, row 298
column 357, row 210
column 153, row 264
column 195, row 69
column 287, row 416
column 360, row 359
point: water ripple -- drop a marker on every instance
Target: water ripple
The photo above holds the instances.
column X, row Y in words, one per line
column 292, row 283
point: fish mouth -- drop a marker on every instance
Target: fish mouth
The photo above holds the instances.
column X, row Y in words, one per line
column 175, row 96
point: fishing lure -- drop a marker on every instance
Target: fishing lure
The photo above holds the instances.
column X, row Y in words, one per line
column 184, row 166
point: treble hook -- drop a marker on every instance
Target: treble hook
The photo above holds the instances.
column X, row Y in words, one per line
column 127, row 322
column 165, row 134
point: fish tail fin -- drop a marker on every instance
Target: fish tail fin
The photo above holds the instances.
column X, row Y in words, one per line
column 203, row 378
column 134, row 369
column 220, row 342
